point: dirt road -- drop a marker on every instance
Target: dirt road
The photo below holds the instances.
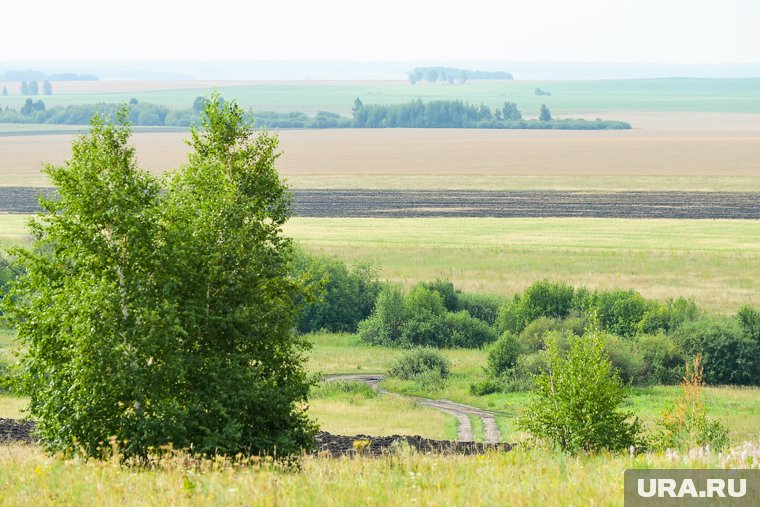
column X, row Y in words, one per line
column 460, row 411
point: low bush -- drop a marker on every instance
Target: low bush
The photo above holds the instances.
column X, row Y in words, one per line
column 449, row 295
column 540, row 299
column 484, row 387
column 503, row 354
column 662, row 359
column 480, row 306
column 618, row 311
column 419, row 362
column 463, row 330
column 385, row 325
column 667, row 317
column 576, row 402
column 625, row 359
column 685, row 424
column 730, row 355
column 532, row 337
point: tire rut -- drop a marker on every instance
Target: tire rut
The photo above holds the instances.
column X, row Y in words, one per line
column 460, row 411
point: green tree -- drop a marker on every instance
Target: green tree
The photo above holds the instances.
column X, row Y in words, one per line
column 158, row 315
column 576, row 401
column 47, row 88
column 545, row 114
column 5, row 91
column 24, row 88
column 510, row 111
column 199, row 104
column 33, row 88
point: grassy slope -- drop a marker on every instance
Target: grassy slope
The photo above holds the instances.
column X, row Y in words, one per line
column 707, row 95
column 713, row 261
column 521, row 477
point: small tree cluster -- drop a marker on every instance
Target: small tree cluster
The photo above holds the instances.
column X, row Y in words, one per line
column 162, row 312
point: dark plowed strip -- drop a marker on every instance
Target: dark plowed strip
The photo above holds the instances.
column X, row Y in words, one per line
column 507, row 204
column 13, row 430
column 327, row 444
column 338, row 445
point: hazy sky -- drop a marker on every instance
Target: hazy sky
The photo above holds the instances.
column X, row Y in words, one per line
column 666, row 31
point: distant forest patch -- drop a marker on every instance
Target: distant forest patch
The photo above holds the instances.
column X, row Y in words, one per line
column 414, row 114
column 36, row 75
column 452, row 75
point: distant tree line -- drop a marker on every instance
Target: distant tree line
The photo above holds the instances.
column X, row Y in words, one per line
column 451, row 75
column 415, row 114
column 458, row 114
column 32, row 88
column 35, row 75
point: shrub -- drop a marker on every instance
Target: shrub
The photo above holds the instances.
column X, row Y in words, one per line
column 619, row 311
column 463, row 330
column 625, row 359
column 503, row 354
column 662, row 359
column 575, row 403
column 749, row 318
column 730, row 356
column 418, row 362
column 532, row 337
column 667, row 317
column 685, row 424
column 446, row 290
column 540, row 299
column 485, row 308
column 484, row 387
column 425, row 329
column 385, row 325
column 421, row 301
column 345, row 297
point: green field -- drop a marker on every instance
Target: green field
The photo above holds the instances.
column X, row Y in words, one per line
column 674, row 94
column 713, row 261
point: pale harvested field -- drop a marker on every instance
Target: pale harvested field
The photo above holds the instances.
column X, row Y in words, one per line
column 666, row 151
column 124, row 86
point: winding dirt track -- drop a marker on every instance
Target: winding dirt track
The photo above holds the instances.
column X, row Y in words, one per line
column 462, row 203
column 460, row 411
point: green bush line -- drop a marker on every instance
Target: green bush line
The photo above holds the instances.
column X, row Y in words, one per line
column 647, row 341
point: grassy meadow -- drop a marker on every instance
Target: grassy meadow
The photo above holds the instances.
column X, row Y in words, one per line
column 713, row 261
column 521, row 477
column 672, row 94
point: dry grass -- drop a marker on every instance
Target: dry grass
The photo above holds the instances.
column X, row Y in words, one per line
column 713, row 261
column 671, row 151
column 520, row 477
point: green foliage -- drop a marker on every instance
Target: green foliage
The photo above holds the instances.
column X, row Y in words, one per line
column 480, row 306
column 575, row 403
column 730, row 356
column 662, row 359
column 164, row 314
column 503, row 354
column 420, row 362
column 540, row 299
column 625, row 359
column 749, row 318
column 667, row 317
column 422, row 301
column 345, row 296
column 618, row 311
column 448, row 293
column 385, row 325
column 685, row 424
column 532, row 338
column 421, row 318
column 544, row 114
column 484, row 387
